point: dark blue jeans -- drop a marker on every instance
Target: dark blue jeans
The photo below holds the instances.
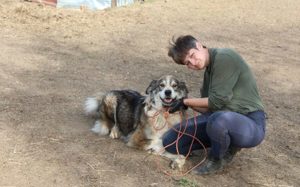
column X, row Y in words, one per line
column 218, row 130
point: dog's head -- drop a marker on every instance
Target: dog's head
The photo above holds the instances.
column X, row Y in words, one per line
column 166, row 90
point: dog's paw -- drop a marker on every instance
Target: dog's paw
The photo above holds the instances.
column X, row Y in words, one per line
column 115, row 133
column 155, row 147
column 178, row 163
column 125, row 139
column 152, row 151
column 155, row 150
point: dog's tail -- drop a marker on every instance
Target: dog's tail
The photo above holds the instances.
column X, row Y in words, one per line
column 92, row 105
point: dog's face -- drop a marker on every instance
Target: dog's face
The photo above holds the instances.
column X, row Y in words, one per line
column 166, row 90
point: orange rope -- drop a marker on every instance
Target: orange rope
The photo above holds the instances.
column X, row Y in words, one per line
column 180, row 133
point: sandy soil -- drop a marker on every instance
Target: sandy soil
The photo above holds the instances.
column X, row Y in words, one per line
column 51, row 59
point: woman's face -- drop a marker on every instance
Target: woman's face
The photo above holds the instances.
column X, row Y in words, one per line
column 197, row 58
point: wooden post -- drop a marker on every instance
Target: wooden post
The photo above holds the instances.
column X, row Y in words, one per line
column 113, row 3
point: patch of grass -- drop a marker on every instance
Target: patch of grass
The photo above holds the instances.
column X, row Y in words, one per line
column 186, row 183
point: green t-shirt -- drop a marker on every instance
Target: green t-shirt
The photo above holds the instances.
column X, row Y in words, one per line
column 229, row 83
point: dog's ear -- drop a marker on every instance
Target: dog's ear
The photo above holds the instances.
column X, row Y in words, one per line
column 183, row 87
column 151, row 86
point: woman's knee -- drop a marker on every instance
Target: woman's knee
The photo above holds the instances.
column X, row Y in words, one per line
column 217, row 123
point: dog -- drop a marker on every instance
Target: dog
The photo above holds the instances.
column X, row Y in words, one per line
column 140, row 120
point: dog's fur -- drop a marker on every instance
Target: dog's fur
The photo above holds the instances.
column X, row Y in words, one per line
column 139, row 119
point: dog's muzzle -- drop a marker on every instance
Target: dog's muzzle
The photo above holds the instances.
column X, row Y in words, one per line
column 168, row 100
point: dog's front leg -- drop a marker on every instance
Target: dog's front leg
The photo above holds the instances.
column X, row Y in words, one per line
column 155, row 147
column 115, row 132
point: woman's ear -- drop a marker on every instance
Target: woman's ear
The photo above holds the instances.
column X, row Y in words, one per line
column 198, row 45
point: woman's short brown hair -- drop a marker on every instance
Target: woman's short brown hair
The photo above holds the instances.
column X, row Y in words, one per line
column 179, row 48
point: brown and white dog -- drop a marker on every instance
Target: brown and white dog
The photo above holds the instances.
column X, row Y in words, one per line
column 140, row 120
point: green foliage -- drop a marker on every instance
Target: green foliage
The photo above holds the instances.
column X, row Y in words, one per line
column 186, row 183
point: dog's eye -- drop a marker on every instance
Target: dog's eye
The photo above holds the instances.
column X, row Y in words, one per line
column 162, row 85
column 174, row 85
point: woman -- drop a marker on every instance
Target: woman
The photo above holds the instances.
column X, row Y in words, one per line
column 232, row 114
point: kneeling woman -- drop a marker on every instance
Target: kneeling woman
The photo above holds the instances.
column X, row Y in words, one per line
column 232, row 114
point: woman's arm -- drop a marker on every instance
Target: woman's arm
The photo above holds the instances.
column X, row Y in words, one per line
column 196, row 102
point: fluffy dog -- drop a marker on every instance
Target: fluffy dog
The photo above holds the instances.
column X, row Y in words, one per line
column 141, row 120
column 116, row 112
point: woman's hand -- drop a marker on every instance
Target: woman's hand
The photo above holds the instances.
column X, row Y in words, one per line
column 179, row 105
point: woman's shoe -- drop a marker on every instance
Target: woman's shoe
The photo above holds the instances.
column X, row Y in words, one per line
column 208, row 167
column 228, row 157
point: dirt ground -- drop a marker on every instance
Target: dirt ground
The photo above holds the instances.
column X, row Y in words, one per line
column 52, row 59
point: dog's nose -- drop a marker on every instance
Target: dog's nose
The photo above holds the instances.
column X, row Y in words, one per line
column 168, row 92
